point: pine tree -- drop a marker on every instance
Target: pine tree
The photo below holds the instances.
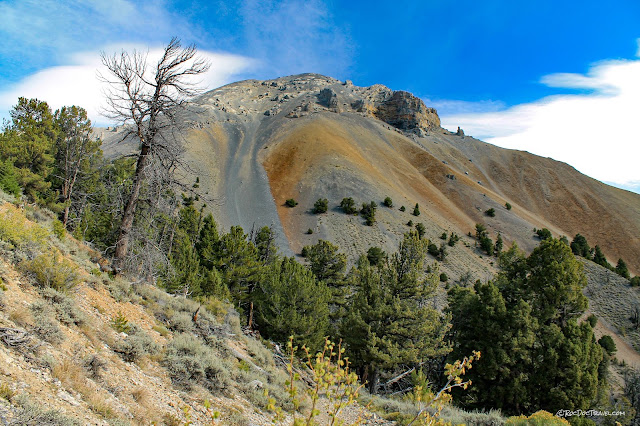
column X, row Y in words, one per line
column 535, row 355
column 207, row 245
column 580, row 247
column 264, row 240
column 416, row 210
column 497, row 250
column 8, row 181
column 321, row 206
column 621, row 269
column 291, row 302
column 328, row 265
column 388, row 323
column 29, row 143
column 600, row 259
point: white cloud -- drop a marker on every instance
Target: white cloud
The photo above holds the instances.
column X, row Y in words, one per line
column 596, row 132
column 77, row 82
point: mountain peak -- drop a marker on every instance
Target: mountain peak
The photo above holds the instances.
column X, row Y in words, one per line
column 303, row 94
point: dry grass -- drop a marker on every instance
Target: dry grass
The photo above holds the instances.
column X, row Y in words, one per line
column 73, row 376
column 141, row 396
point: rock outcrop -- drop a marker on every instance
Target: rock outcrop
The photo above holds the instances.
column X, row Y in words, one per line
column 407, row 112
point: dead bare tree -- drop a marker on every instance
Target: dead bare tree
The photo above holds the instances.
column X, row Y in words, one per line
column 148, row 101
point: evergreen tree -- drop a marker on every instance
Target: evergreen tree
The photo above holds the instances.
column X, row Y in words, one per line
column 264, row 240
column 348, row 205
column 8, row 181
column 497, row 250
column 208, row 241
column 421, row 229
column 535, row 355
column 328, row 265
column 388, row 323
column 416, row 210
column 388, row 202
column 622, row 270
column 375, row 256
column 77, row 157
column 291, row 302
column 580, row 247
column 29, row 144
column 600, row 259
column 321, row 206
column 368, row 212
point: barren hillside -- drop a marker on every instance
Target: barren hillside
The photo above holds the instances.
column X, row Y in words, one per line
column 255, row 144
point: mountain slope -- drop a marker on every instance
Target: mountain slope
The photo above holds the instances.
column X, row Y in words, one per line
column 255, row 144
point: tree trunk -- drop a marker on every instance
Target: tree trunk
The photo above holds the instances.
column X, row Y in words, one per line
column 250, row 320
column 122, row 245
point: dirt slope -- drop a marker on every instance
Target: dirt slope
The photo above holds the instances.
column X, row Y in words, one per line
column 255, row 144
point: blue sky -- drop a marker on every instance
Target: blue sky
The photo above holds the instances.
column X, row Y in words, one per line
column 554, row 78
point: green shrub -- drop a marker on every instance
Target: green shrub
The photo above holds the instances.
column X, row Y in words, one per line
column 592, row 320
column 388, row 202
column 321, row 206
column 416, row 210
column 52, row 270
column 15, row 229
column 291, row 202
column 368, row 212
column 444, row 277
column 635, row 281
column 403, row 208
column 189, row 362
column 181, row 322
column 540, row 418
column 33, row 414
column 46, row 327
column 490, row 212
column 507, row 205
column 120, row 323
column 66, row 310
column 410, row 223
column 543, row 234
column 421, row 229
column 433, row 249
column 453, row 239
column 136, row 345
column 59, row 229
column 443, row 236
column 348, row 205
column 608, row 344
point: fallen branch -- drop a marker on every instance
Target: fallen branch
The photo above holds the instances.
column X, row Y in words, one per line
column 14, row 337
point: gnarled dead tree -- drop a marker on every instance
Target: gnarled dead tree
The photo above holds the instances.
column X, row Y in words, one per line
column 148, row 101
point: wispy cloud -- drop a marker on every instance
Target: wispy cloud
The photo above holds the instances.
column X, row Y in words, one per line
column 77, row 82
column 293, row 37
column 42, row 32
column 596, row 132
